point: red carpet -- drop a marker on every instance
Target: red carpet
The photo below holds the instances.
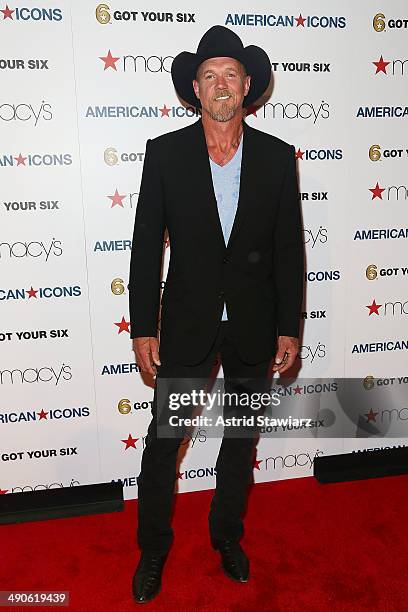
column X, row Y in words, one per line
column 338, row 547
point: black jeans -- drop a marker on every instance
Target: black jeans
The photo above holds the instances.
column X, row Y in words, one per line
column 234, row 464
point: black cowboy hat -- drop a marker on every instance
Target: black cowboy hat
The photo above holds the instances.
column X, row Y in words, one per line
column 219, row 41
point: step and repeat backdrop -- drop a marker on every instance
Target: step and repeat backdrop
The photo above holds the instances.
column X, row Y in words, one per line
column 83, row 86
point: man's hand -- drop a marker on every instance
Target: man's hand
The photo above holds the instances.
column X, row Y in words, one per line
column 288, row 348
column 147, row 353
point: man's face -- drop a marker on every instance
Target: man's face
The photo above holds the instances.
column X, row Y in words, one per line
column 221, row 85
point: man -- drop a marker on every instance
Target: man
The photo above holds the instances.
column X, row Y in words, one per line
column 228, row 195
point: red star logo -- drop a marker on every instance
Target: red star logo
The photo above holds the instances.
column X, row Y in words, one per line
column 299, row 154
column 110, row 61
column 130, row 442
column 164, row 111
column 300, row 20
column 377, row 192
column 251, row 110
column 297, row 390
column 179, row 475
column 7, row 13
column 3, row 491
column 42, row 414
column 32, row 292
column 373, row 308
column 256, row 464
column 371, row 415
column 117, row 199
column 20, row 160
column 381, row 65
column 123, row 326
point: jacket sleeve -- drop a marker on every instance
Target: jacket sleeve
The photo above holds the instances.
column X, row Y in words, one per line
column 289, row 253
column 147, row 249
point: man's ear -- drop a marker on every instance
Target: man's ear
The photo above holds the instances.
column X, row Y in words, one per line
column 247, row 83
column 196, row 88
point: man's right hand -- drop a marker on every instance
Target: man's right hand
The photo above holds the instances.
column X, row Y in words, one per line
column 147, row 353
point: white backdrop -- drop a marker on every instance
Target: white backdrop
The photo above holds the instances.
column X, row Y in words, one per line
column 82, row 88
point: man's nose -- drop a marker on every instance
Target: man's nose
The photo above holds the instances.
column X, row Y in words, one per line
column 221, row 81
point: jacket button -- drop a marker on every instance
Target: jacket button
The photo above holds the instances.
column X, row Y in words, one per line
column 225, row 260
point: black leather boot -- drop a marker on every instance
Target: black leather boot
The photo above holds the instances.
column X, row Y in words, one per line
column 146, row 582
column 234, row 561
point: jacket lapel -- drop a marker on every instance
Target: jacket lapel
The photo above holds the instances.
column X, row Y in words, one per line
column 205, row 188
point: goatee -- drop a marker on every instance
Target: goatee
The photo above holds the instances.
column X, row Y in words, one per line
column 225, row 113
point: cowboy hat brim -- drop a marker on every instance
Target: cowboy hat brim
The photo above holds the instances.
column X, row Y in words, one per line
column 256, row 62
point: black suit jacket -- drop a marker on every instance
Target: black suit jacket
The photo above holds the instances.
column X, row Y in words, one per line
column 259, row 273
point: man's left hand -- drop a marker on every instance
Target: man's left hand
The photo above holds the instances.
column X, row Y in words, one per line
column 288, row 348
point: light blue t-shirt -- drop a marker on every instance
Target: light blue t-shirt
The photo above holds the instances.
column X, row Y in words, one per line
column 226, row 181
